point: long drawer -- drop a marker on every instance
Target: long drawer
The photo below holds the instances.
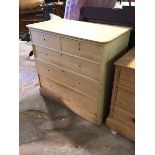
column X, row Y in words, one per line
column 46, row 40
column 65, row 93
column 127, row 78
column 82, row 49
column 126, row 108
column 126, row 97
column 124, row 116
column 87, row 68
column 68, row 78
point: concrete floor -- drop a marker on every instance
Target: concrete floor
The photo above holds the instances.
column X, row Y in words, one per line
column 48, row 128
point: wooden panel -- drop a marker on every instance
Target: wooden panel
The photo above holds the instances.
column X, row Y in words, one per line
column 46, row 40
column 121, row 128
column 124, row 116
column 66, row 61
column 64, row 92
column 127, row 78
column 125, row 97
column 73, row 80
column 126, row 108
column 122, row 109
column 81, row 49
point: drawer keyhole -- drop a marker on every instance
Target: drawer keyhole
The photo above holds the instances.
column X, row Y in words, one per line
column 46, row 54
column 61, row 54
column 79, row 83
column 62, row 70
column 44, row 39
column 48, row 70
column 133, row 120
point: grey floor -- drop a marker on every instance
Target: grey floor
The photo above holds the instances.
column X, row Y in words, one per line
column 47, row 128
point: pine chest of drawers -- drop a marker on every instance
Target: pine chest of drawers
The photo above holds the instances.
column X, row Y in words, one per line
column 122, row 112
column 73, row 61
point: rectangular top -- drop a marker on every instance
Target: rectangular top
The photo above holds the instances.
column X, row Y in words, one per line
column 127, row 60
column 84, row 30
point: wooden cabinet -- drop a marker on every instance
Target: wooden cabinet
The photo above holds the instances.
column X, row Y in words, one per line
column 122, row 111
column 74, row 63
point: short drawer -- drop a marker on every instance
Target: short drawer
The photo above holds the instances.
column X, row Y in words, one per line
column 46, row 40
column 125, row 97
column 82, row 49
column 127, row 78
column 68, row 78
column 123, row 116
column 81, row 66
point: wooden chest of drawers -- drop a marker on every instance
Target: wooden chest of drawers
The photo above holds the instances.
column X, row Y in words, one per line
column 74, row 63
column 122, row 112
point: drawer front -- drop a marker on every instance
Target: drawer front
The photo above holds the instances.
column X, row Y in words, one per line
column 65, row 93
column 127, row 78
column 125, row 97
column 69, row 62
column 126, row 108
column 124, row 116
column 82, row 49
column 46, row 40
column 84, row 85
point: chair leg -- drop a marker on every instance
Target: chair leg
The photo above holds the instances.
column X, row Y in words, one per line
column 129, row 2
column 31, row 54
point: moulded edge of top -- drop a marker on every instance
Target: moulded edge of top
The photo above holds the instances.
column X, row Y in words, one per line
column 100, row 33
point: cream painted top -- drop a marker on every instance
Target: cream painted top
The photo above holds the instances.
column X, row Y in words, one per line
column 84, row 30
column 127, row 60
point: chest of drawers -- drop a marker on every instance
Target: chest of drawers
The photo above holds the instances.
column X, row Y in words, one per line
column 74, row 63
column 122, row 112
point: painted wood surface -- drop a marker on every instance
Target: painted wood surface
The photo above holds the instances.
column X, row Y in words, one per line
column 76, row 68
column 69, row 94
column 82, row 49
column 72, row 63
column 46, row 40
column 71, row 79
column 100, row 33
column 83, row 112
